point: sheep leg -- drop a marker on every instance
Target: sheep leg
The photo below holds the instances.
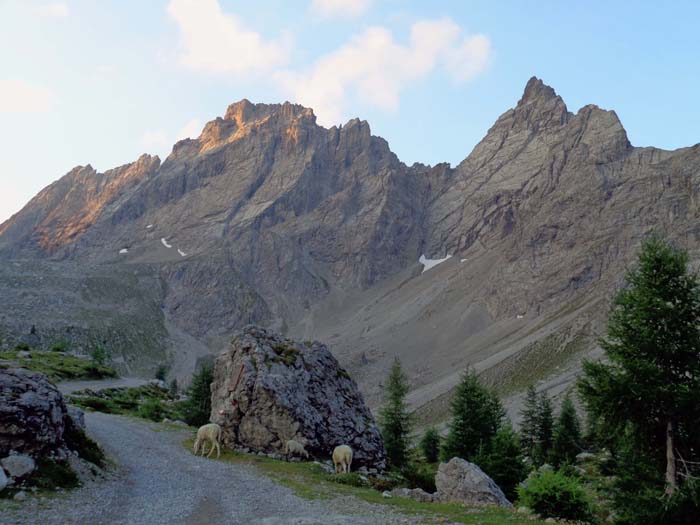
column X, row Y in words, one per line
column 195, row 449
column 218, row 450
column 212, row 449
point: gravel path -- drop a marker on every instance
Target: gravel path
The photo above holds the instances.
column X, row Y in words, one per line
column 159, row 482
column 68, row 387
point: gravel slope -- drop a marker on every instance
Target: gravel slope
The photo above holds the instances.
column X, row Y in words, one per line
column 159, row 482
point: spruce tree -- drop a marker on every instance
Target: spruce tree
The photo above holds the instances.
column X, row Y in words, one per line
column 649, row 388
column 545, row 426
column 197, row 408
column 504, row 462
column 567, row 435
column 529, row 423
column 430, row 445
column 394, row 417
column 476, row 416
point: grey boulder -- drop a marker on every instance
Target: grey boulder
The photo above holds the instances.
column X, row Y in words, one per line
column 459, row 481
column 18, row 466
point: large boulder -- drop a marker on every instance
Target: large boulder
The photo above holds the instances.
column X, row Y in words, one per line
column 18, row 466
column 33, row 416
column 268, row 390
column 459, row 481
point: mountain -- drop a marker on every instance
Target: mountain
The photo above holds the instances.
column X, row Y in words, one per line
column 270, row 218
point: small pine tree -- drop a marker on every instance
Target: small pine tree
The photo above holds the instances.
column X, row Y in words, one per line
column 476, row 416
column 173, row 386
column 394, row 417
column 99, row 355
column 529, row 423
column 567, row 435
column 430, row 445
column 197, row 408
column 545, row 426
column 504, row 463
column 161, row 371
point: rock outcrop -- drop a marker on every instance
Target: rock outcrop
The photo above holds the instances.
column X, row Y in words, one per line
column 268, row 390
column 33, row 415
column 459, row 481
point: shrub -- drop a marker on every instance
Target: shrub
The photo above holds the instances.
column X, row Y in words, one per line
column 99, row 355
column 551, row 494
column 351, row 478
column 51, row 474
column 151, row 409
column 59, row 346
column 430, row 445
column 419, row 475
column 504, row 462
column 22, row 347
column 161, row 371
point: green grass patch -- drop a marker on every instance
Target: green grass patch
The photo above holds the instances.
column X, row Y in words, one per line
column 51, row 475
column 58, row 366
column 310, row 481
column 147, row 402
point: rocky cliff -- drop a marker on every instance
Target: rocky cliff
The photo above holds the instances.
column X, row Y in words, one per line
column 267, row 217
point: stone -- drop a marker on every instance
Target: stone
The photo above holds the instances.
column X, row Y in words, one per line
column 523, row 510
column 33, row 415
column 268, row 390
column 550, row 520
column 77, row 416
column 23, row 354
column 415, row 494
column 459, row 481
column 4, row 481
column 386, row 494
column 584, row 456
column 18, row 466
column 20, row 496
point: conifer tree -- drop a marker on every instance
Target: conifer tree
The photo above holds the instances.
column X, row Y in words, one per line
column 504, row 462
column 197, row 408
column 430, row 445
column 545, row 424
column 394, row 417
column 649, row 388
column 567, row 435
column 476, row 416
column 529, row 423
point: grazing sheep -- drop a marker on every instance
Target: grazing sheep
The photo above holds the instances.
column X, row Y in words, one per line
column 342, row 458
column 210, row 433
column 294, row 448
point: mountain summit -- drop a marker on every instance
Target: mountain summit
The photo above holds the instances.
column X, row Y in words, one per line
column 268, row 217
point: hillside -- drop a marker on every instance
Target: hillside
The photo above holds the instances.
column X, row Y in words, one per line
column 270, row 218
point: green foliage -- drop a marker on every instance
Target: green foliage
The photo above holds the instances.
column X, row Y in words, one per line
column 161, row 372
column 504, row 462
column 197, row 409
column 99, row 355
column 430, row 445
column 476, row 416
column 545, row 425
column 151, row 409
column 394, row 418
column 529, row 422
column 86, row 448
column 551, row 494
column 419, row 475
column 148, row 401
column 59, row 346
column 351, row 478
column 22, row 347
column 652, row 375
column 173, row 386
column 59, row 367
column 567, row 435
column 51, row 475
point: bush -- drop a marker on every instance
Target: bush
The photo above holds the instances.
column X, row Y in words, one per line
column 151, row 409
column 419, row 476
column 59, row 346
column 51, row 474
column 99, row 355
column 161, row 372
column 504, row 462
column 351, row 478
column 22, row 347
column 551, row 494
column 430, row 445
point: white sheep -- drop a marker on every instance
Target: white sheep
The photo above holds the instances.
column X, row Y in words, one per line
column 342, row 459
column 294, row 448
column 211, row 433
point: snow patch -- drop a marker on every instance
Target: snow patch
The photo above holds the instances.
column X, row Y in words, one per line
column 165, row 243
column 183, row 254
column 123, row 250
column 431, row 263
column 462, row 260
column 149, row 226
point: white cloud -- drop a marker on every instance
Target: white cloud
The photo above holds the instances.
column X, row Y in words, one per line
column 218, row 42
column 18, row 96
column 340, row 8
column 374, row 68
column 191, row 130
column 53, row 10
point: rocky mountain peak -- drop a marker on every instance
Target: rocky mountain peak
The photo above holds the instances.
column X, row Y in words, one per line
column 244, row 111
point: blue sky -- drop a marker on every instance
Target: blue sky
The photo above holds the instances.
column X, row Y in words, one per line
column 100, row 82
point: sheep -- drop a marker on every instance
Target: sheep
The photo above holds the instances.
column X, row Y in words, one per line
column 294, row 448
column 211, row 433
column 342, row 458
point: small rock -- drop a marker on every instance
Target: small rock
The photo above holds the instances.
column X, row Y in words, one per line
column 550, row 520
column 20, row 496
column 415, row 494
column 18, row 466
column 523, row 510
column 584, row 456
column 386, row 494
column 77, row 416
column 24, row 354
column 459, row 481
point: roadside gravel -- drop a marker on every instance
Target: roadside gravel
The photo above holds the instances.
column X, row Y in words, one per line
column 158, row 481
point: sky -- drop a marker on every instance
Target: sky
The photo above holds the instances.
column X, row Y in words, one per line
column 102, row 81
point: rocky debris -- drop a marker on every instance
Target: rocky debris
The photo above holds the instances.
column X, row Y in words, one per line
column 18, row 466
column 33, row 416
column 4, row 481
column 415, row 494
column 268, row 390
column 20, row 496
column 584, row 456
column 459, row 481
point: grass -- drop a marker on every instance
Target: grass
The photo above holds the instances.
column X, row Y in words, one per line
column 310, row 481
column 58, row 366
column 147, row 402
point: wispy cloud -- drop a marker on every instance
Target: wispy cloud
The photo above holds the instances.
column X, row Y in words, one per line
column 160, row 142
column 374, row 68
column 53, row 10
column 19, row 96
column 339, row 8
column 191, row 130
column 219, row 42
